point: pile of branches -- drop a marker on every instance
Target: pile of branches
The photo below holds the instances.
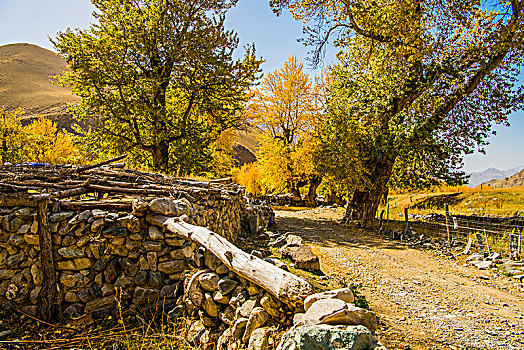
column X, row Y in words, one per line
column 99, row 185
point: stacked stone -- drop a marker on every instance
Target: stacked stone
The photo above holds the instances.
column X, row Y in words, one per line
column 257, row 216
column 332, row 321
column 101, row 254
column 229, row 310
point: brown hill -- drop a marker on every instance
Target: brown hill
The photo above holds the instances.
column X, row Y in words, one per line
column 25, row 82
column 508, row 182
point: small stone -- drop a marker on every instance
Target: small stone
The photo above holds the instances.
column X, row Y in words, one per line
column 16, row 259
column 222, row 269
column 97, row 213
column 271, row 305
column 209, row 281
column 209, row 305
column 85, row 215
column 239, row 327
column 74, row 310
column 220, row 298
column 123, row 282
column 107, row 289
column 97, row 225
column 82, row 241
column 23, row 229
column 131, row 222
column 61, row 216
column 302, row 256
column 227, row 315
column 173, row 266
column 252, row 289
column 70, row 253
column 130, row 268
column 155, row 233
column 152, row 246
column 141, row 277
column 145, row 296
column 246, row 308
column 152, row 260
column 226, row 285
column 338, row 312
column 69, row 280
column 100, row 303
column 257, row 319
column 183, row 253
column 259, row 339
column 95, row 290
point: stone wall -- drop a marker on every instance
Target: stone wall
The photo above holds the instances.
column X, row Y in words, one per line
column 99, row 253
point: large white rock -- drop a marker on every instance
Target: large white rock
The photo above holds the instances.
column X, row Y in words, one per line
column 344, row 294
column 338, row 312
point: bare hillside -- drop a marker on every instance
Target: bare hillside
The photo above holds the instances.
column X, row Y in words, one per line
column 25, row 82
column 508, row 182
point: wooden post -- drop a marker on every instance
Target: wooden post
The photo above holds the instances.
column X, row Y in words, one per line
column 46, row 298
column 406, row 218
column 447, row 226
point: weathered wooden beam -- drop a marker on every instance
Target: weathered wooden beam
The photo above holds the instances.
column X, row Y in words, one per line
column 46, row 298
column 285, row 286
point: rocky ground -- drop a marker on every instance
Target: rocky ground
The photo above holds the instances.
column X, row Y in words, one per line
column 425, row 299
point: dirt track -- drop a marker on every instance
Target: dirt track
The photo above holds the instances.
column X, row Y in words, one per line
column 424, row 300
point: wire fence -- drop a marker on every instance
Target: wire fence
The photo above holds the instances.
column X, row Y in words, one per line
column 498, row 231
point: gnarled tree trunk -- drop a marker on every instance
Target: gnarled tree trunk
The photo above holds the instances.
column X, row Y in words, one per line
column 363, row 204
column 314, row 182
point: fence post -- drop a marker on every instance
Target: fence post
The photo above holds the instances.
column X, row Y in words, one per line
column 447, row 226
column 406, row 218
column 380, row 222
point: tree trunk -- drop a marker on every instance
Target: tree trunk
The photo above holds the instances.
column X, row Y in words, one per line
column 160, row 153
column 293, row 188
column 314, row 182
column 364, row 203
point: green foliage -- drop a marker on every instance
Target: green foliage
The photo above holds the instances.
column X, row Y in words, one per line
column 158, row 80
column 417, row 85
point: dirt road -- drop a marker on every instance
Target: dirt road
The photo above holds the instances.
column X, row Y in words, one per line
column 424, row 300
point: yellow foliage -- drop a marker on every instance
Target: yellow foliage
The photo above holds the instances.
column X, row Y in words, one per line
column 287, row 105
column 249, row 177
column 40, row 141
column 11, row 136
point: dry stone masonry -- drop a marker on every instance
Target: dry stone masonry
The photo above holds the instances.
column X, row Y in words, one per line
column 77, row 240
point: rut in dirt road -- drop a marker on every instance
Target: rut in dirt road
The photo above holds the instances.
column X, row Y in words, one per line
column 425, row 301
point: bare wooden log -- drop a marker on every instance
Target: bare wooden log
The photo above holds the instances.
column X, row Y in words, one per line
column 89, row 167
column 97, row 204
column 47, row 294
column 285, row 286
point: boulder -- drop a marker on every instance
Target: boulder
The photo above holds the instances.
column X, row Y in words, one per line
column 294, row 240
column 338, row 312
column 326, row 337
column 302, row 256
column 344, row 294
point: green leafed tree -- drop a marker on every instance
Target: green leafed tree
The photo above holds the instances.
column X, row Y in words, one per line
column 158, row 80
column 417, row 85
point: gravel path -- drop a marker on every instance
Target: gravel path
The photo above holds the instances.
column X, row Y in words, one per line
column 425, row 300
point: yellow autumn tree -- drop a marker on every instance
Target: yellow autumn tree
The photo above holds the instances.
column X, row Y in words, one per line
column 11, row 136
column 40, row 141
column 286, row 105
column 46, row 144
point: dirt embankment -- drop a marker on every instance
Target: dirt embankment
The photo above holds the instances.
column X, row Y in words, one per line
column 425, row 299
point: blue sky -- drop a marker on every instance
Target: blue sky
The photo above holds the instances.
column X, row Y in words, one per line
column 275, row 38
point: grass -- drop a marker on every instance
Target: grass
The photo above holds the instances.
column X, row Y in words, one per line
column 466, row 201
column 123, row 332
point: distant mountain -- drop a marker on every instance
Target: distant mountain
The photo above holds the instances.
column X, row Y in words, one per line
column 481, row 177
column 25, row 72
column 25, row 82
column 507, row 182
